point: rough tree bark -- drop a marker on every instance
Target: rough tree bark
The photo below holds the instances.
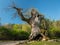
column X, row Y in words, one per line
column 34, row 22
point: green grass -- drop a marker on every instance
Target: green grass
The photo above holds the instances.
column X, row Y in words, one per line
column 43, row 43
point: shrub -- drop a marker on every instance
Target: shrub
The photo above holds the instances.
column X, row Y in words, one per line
column 23, row 35
column 13, row 34
column 54, row 32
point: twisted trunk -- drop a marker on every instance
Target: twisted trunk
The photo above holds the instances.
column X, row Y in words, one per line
column 35, row 29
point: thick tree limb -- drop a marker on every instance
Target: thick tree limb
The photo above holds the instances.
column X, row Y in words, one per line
column 19, row 10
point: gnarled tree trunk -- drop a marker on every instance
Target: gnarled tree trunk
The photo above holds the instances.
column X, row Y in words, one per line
column 34, row 22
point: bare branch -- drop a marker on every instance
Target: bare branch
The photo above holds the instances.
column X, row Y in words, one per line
column 19, row 11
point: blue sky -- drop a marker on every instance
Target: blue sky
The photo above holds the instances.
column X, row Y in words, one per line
column 50, row 9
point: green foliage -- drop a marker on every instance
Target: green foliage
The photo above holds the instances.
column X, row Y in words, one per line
column 22, row 31
column 53, row 27
column 42, row 43
column 13, row 34
column 54, row 30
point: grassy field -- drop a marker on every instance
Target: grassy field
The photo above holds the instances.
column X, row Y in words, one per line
column 42, row 43
column 29, row 43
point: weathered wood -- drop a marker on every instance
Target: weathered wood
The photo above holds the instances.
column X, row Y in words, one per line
column 34, row 21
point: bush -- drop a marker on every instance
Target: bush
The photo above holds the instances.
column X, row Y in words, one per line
column 23, row 35
column 9, row 34
column 54, row 33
